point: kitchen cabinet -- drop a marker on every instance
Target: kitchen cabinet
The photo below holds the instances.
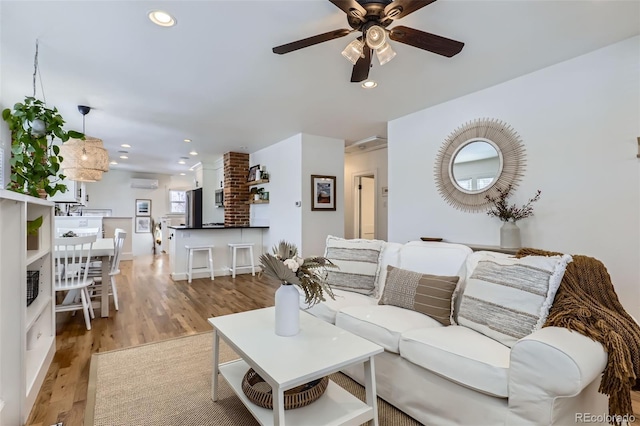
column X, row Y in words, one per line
column 76, row 193
column 27, row 333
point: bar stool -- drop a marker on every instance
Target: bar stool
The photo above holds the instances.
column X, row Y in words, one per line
column 233, row 253
column 190, row 268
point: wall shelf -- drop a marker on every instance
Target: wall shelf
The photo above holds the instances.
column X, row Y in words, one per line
column 257, row 182
column 27, row 333
column 257, row 202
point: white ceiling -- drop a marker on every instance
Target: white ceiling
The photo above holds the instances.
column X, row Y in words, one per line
column 213, row 78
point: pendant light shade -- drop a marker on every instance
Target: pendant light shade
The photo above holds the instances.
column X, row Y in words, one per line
column 84, row 160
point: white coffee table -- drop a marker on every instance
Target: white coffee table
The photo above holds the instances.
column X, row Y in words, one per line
column 286, row 362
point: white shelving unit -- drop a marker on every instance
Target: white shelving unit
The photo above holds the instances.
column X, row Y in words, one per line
column 27, row 333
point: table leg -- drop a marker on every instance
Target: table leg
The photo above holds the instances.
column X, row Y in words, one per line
column 370, row 386
column 214, row 373
column 105, row 286
column 278, row 407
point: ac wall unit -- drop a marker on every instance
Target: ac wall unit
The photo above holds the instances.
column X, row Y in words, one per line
column 144, row 183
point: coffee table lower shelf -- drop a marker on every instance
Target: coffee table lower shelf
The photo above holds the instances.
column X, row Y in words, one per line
column 335, row 407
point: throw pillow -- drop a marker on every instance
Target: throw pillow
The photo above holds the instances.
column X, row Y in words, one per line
column 358, row 264
column 507, row 298
column 428, row 294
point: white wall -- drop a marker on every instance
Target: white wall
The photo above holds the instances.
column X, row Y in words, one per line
column 290, row 164
column 114, row 192
column 282, row 161
column 579, row 121
column 321, row 156
column 359, row 163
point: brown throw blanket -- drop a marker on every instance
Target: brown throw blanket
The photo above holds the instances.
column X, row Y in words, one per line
column 587, row 303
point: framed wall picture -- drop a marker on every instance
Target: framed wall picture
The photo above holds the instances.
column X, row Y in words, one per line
column 143, row 224
column 253, row 171
column 323, row 192
column 143, row 207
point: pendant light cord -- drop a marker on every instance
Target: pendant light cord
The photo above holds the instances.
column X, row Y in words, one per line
column 36, row 72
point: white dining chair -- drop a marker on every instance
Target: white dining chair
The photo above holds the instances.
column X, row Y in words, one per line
column 96, row 273
column 72, row 256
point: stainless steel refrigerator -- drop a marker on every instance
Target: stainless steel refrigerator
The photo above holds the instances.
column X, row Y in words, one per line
column 194, row 208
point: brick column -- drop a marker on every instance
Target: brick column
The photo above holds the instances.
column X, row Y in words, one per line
column 236, row 192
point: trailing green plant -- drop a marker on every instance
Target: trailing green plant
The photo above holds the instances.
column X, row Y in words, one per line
column 34, row 225
column 310, row 274
column 35, row 160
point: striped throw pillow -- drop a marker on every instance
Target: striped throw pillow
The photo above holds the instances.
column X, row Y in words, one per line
column 428, row 294
column 358, row 264
column 507, row 298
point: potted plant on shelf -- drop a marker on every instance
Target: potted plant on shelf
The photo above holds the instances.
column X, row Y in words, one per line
column 510, row 214
column 310, row 274
column 35, row 160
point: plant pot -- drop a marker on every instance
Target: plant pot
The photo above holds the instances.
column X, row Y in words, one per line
column 510, row 235
column 33, row 241
column 287, row 310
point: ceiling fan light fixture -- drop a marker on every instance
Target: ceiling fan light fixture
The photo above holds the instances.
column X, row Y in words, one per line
column 353, row 51
column 385, row 54
column 376, row 37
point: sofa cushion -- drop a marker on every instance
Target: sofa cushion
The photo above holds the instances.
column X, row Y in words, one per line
column 358, row 264
column 328, row 309
column 428, row 294
column 460, row 355
column 436, row 258
column 508, row 298
column 382, row 324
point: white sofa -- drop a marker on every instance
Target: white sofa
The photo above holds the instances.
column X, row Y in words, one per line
column 453, row 375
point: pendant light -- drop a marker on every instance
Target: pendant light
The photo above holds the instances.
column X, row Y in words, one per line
column 84, row 160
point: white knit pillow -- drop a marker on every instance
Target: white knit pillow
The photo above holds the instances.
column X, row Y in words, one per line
column 358, row 262
column 507, row 298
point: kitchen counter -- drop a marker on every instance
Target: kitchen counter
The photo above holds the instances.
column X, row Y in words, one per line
column 220, row 237
column 183, row 227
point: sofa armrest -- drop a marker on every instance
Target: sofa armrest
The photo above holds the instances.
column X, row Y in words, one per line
column 551, row 363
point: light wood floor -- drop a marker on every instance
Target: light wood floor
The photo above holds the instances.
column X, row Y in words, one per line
column 152, row 308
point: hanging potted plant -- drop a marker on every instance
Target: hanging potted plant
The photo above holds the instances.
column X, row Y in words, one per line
column 35, row 159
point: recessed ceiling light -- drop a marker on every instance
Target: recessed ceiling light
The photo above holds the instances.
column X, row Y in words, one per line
column 369, row 84
column 125, row 145
column 124, row 157
column 113, row 163
column 162, row 18
column 187, row 140
column 183, row 174
column 182, row 162
column 193, row 153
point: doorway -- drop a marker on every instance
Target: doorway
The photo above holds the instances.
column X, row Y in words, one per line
column 365, row 206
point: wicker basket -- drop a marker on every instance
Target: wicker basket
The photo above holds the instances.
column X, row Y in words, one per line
column 33, row 286
column 259, row 392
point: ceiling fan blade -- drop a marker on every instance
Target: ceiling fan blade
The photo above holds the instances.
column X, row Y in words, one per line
column 310, row 41
column 426, row 41
column 361, row 68
column 402, row 8
column 352, row 8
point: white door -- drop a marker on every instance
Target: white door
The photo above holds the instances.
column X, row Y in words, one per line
column 365, row 207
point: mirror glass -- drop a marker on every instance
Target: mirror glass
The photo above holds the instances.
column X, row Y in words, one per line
column 476, row 166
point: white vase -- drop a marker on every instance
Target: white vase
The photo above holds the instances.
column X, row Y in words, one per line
column 510, row 235
column 287, row 310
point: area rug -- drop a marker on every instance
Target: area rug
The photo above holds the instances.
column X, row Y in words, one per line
column 169, row 383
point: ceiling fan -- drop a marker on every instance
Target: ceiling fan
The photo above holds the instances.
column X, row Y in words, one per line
column 371, row 18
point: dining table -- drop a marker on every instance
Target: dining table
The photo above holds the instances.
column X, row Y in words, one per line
column 104, row 249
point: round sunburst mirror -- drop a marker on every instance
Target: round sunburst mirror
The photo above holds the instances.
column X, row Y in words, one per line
column 475, row 160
